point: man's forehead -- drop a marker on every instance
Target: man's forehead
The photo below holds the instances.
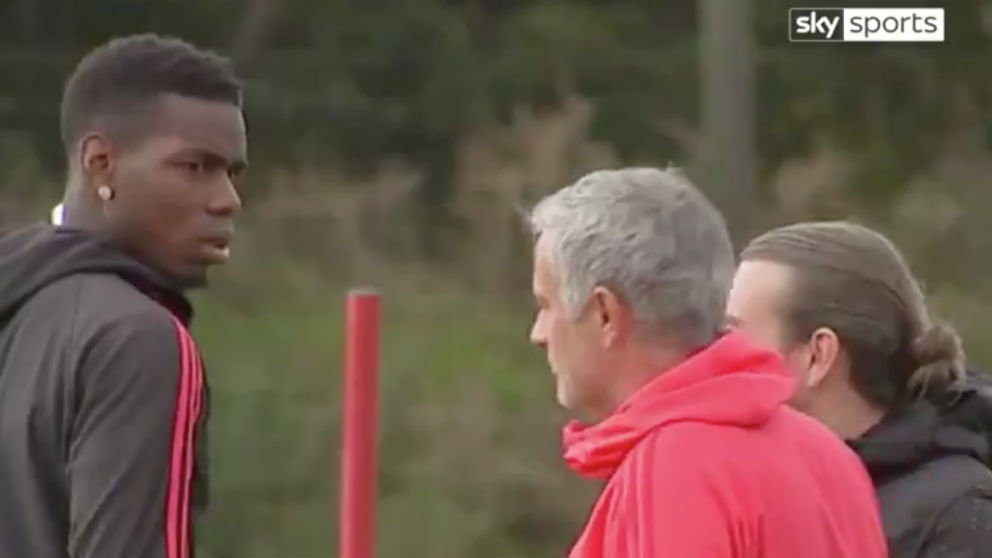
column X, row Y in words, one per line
column 211, row 126
column 757, row 283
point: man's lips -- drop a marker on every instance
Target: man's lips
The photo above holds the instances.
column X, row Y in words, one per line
column 217, row 247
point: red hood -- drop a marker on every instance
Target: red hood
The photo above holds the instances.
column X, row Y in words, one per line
column 731, row 382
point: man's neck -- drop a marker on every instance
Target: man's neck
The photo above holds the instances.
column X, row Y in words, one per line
column 848, row 415
column 76, row 212
column 638, row 365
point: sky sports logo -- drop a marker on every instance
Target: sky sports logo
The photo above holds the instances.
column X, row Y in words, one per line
column 867, row 25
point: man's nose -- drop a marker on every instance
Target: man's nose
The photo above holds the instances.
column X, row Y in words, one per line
column 226, row 202
column 537, row 336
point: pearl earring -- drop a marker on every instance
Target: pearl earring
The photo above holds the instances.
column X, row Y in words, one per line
column 105, row 192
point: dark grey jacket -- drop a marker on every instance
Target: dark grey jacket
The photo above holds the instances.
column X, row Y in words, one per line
column 102, row 403
column 930, row 464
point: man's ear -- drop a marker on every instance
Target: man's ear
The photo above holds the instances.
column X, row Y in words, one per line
column 613, row 317
column 96, row 160
column 825, row 349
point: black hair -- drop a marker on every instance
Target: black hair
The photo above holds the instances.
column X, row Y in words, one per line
column 123, row 75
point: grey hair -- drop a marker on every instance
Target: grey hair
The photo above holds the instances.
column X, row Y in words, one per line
column 650, row 236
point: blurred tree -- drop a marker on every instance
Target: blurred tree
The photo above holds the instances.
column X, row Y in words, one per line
column 350, row 84
column 727, row 163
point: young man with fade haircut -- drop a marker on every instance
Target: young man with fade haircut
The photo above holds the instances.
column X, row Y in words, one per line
column 840, row 303
column 691, row 427
column 102, row 395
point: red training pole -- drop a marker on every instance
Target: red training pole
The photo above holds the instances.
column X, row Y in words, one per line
column 359, row 462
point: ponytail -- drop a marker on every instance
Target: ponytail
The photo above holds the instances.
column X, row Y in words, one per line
column 938, row 358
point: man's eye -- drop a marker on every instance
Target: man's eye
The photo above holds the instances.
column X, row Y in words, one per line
column 194, row 166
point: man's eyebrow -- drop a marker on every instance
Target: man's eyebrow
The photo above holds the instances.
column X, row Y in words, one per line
column 239, row 164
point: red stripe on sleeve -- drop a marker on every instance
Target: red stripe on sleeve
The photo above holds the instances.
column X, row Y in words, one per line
column 197, row 394
column 181, row 453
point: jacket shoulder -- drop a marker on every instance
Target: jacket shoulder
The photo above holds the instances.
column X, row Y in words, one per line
column 689, row 436
column 700, row 447
column 933, row 502
column 99, row 300
column 964, row 528
column 84, row 313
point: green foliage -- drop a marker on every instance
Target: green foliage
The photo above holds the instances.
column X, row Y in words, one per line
column 469, row 437
column 889, row 105
column 349, row 84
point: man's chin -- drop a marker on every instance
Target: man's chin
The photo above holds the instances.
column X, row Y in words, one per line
column 192, row 279
column 567, row 401
column 561, row 399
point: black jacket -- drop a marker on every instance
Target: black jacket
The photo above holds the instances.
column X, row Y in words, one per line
column 102, row 402
column 930, row 464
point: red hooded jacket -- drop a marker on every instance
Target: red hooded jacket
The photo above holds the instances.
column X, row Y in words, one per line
column 708, row 460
